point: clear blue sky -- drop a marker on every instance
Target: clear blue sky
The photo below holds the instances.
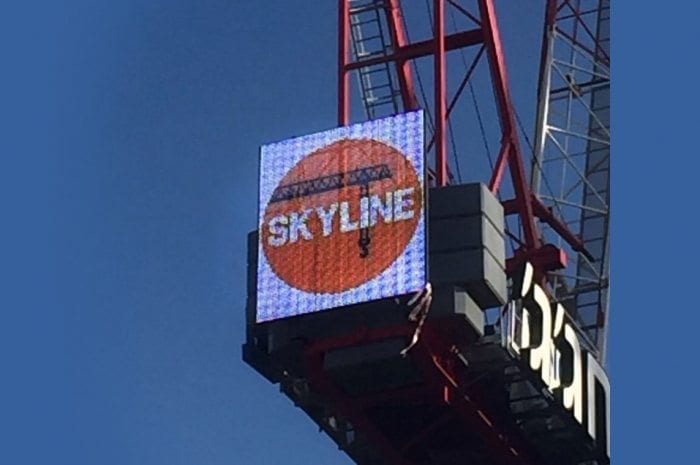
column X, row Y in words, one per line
column 133, row 130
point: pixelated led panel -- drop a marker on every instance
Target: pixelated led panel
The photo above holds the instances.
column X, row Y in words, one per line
column 342, row 217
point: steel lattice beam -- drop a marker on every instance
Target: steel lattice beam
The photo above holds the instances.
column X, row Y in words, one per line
column 571, row 164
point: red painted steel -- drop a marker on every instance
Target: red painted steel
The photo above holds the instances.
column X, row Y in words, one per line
column 343, row 72
column 343, row 405
column 461, row 88
column 423, row 49
column 513, row 155
column 437, row 361
column 440, row 93
column 395, row 20
column 346, row 406
column 510, row 154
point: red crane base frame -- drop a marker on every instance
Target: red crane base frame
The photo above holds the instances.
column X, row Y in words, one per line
column 438, row 362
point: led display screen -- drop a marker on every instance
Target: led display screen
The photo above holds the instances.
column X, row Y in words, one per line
column 341, row 217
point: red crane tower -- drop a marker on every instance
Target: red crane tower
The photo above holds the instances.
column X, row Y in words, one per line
column 528, row 387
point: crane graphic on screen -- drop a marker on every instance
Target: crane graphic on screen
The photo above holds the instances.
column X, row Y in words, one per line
column 361, row 177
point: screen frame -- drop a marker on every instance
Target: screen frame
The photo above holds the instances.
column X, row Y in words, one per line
column 425, row 185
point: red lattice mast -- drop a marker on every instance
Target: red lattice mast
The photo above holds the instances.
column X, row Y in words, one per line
column 398, row 54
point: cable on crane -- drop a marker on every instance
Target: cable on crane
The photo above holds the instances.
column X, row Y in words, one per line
column 422, row 300
column 484, row 139
column 538, row 164
column 449, row 121
column 420, row 81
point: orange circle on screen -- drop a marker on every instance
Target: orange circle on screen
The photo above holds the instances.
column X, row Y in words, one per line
column 320, row 236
